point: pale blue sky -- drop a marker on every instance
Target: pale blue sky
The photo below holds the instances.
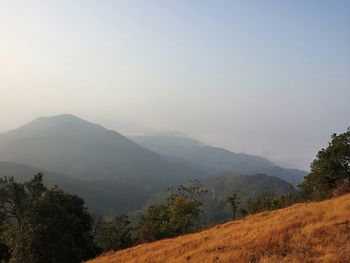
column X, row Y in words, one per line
column 264, row 77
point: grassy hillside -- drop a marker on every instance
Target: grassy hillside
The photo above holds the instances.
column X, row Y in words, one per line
column 316, row 232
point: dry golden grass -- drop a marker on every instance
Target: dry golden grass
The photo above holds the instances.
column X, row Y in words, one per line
column 316, row 232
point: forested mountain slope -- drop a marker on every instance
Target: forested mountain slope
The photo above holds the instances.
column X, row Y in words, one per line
column 215, row 205
column 101, row 196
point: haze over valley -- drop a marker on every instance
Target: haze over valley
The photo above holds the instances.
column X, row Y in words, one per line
column 174, row 131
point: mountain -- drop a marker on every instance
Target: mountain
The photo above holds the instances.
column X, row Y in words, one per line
column 317, row 232
column 114, row 174
column 215, row 160
column 101, row 196
column 80, row 149
column 215, row 207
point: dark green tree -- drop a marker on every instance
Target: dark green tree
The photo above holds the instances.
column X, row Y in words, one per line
column 330, row 169
column 183, row 213
column 154, row 224
column 266, row 202
column 174, row 218
column 4, row 252
column 16, row 201
column 114, row 233
column 44, row 225
column 233, row 201
column 260, row 203
column 193, row 191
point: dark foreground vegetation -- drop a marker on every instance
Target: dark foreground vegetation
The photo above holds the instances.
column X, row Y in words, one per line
column 40, row 224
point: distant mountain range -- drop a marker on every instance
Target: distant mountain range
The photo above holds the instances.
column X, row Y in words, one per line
column 118, row 174
column 215, row 160
column 80, row 149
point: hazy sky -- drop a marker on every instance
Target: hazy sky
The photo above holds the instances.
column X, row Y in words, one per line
column 265, row 77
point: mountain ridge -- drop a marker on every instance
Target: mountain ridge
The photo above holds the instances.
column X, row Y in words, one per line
column 215, row 159
column 77, row 148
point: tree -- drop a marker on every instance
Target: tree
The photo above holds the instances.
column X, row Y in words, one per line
column 266, row 202
column 193, row 191
column 16, row 199
column 4, row 252
column 233, row 201
column 174, row 218
column 261, row 203
column 330, row 169
column 114, row 233
column 154, row 224
column 183, row 212
column 44, row 225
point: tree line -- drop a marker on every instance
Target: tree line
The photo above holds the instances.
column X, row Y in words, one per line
column 329, row 177
column 40, row 224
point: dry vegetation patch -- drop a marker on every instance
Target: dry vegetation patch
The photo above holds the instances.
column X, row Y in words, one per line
column 316, row 232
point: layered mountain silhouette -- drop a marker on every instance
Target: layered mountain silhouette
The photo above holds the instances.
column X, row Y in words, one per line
column 116, row 174
column 80, row 149
column 215, row 160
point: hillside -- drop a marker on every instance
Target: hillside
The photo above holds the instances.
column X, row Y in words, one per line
column 214, row 159
column 215, row 207
column 69, row 145
column 316, row 232
column 101, row 196
column 112, row 173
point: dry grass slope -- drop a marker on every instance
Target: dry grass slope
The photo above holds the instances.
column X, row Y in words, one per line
column 317, row 232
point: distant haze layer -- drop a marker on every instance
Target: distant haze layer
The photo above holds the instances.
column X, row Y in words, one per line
column 264, row 78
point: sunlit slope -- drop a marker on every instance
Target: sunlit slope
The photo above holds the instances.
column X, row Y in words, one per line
column 317, row 232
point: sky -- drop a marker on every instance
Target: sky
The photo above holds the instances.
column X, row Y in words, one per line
column 270, row 78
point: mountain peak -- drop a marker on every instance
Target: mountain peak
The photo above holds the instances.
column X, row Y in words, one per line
column 58, row 118
column 49, row 122
column 69, row 145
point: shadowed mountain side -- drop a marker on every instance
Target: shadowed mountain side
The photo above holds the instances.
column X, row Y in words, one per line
column 215, row 160
column 80, row 149
column 101, row 196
